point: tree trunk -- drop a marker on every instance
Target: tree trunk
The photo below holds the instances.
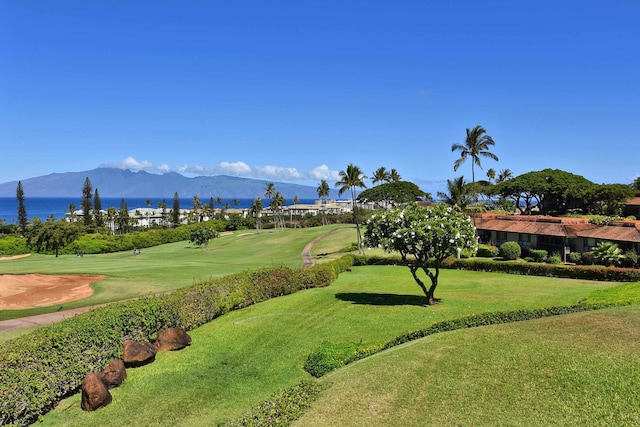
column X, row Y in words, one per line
column 434, row 282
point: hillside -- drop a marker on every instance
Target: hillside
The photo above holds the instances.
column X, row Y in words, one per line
column 112, row 182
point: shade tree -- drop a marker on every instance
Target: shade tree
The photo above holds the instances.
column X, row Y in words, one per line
column 392, row 194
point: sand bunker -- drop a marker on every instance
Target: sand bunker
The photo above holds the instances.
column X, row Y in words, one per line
column 20, row 291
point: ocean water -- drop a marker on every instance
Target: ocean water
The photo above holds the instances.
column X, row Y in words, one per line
column 43, row 207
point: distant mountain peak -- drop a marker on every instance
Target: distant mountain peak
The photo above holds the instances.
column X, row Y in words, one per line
column 114, row 182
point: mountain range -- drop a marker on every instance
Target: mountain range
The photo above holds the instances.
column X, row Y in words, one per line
column 113, row 182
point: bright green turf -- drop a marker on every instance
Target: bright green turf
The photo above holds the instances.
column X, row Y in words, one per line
column 172, row 266
column 241, row 358
column 576, row 370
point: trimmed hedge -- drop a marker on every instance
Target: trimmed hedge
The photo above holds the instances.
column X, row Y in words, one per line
column 584, row 272
column 282, row 408
column 487, row 251
column 39, row 368
column 472, row 321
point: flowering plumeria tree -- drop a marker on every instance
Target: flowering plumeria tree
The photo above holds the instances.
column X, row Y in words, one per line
column 424, row 237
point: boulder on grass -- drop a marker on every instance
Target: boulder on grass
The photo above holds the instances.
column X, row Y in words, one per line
column 172, row 339
column 136, row 353
column 114, row 373
column 95, row 393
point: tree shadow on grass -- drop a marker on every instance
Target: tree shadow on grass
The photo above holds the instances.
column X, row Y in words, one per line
column 382, row 299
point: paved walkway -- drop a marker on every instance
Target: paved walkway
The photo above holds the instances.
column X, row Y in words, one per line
column 42, row 319
column 58, row 316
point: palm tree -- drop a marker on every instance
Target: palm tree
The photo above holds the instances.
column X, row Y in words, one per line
column 458, row 193
column 256, row 209
column 491, row 175
column 295, row 201
column 148, row 212
column 381, row 175
column 197, row 208
column 504, row 175
column 270, row 190
column 394, row 176
column 72, row 212
column 163, row 212
column 352, row 178
column 476, row 145
column 323, row 193
column 277, row 202
column 112, row 214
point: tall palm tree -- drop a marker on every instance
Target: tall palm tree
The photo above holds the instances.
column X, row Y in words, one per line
column 476, row 145
column 457, row 193
column 256, row 210
column 323, row 193
column 381, row 175
column 295, row 201
column 270, row 190
column 277, row 202
column 350, row 179
column 394, row 176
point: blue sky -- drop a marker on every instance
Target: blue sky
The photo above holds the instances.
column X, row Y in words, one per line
column 296, row 90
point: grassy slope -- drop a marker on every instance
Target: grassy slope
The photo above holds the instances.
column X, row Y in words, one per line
column 168, row 267
column 580, row 369
column 241, row 358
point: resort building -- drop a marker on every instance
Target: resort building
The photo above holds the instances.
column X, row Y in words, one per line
column 555, row 234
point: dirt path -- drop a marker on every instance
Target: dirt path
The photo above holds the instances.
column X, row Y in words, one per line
column 307, row 259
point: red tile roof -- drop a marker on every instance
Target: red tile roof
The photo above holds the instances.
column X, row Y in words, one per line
column 633, row 202
column 622, row 231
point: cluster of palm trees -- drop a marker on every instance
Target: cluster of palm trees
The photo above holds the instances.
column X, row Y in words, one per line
column 276, row 202
column 475, row 147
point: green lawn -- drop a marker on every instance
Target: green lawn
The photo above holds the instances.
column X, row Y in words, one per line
column 240, row 359
column 575, row 370
column 172, row 266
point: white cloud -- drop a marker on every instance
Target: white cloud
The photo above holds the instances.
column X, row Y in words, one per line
column 235, row 168
column 277, row 172
column 134, row 165
column 323, row 172
column 238, row 168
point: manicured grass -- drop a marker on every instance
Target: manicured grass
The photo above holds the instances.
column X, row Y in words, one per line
column 238, row 360
column 172, row 266
column 579, row 369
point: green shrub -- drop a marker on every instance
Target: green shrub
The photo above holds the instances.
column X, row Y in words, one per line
column 282, row 408
column 574, row 257
column 12, row 245
column 487, row 251
column 630, row 259
column 327, row 357
column 607, row 253
column 510, row 251
column 587, row 258
column 599, row 273
column 538, row 255
column 529, row 259
column 39, row 368
column 554, row 259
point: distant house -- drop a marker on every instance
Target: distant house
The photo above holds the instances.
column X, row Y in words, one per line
column 632, row 206
column 555, row 234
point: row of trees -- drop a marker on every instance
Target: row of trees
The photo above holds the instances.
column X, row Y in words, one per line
column 546, row 192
